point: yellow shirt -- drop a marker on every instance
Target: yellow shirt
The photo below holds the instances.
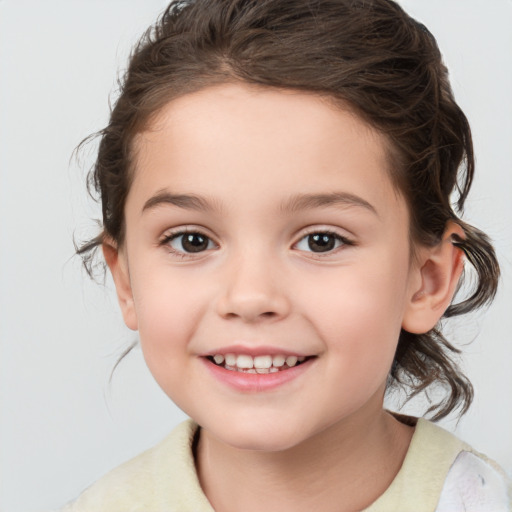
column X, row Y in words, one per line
column 440, row 473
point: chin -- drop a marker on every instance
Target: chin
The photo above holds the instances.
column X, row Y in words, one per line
column 260, row 443
column 257, row 435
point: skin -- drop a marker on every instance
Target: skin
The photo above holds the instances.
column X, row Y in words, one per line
column 321, row 441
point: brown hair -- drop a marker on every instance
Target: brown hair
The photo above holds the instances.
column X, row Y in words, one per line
column 366, row 53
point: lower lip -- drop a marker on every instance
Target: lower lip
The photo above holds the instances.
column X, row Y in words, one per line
column 256, row 382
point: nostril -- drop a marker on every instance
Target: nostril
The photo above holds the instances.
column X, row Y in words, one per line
column 252, row 305
column 255, row 316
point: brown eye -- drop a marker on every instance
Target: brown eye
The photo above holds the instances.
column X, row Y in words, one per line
column 190, row 242
column 321, row 242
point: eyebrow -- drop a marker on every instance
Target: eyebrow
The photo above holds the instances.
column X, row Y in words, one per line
column 295, row 203
column 186, row 201
column 310, row 201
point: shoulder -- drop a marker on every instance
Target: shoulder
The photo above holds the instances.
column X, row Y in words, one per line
column 474, row 483
column 441, row 473
column 471, row 481
column 161, row 478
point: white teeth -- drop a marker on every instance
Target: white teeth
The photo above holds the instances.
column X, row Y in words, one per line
column 218, row 358
column 230, row 359
column 291, row 361
column 278, row 361
column 262, row 362
column 244, row 361
column 259, row 364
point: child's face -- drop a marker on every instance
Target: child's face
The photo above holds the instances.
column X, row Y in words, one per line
column 257, row 173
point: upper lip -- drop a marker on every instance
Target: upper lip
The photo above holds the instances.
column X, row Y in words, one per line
column 254, row 351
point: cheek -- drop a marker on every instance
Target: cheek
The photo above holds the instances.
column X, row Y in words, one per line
column 168, row 313
column 360, row 318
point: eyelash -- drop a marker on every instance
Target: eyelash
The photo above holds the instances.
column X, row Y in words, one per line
column 166, row 241
column 344, row 241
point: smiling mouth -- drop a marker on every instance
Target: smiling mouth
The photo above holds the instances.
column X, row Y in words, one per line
column 257, row 365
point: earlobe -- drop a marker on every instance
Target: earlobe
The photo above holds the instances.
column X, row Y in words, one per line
column 437, row 276
column 118, row 266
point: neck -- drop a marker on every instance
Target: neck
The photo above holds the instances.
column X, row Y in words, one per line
column 345, row 467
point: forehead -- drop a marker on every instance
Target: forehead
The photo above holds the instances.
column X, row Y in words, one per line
column 232, row 141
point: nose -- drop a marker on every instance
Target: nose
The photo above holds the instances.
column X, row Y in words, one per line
column 252, row 291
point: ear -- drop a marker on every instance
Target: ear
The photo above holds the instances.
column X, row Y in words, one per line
column 434, row 282
column 118, row 265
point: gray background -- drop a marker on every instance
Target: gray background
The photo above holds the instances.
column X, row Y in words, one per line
column 62, row 424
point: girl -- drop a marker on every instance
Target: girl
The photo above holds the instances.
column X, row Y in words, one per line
column 275, row 181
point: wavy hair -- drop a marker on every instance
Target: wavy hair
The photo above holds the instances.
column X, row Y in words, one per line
column 368, row 54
